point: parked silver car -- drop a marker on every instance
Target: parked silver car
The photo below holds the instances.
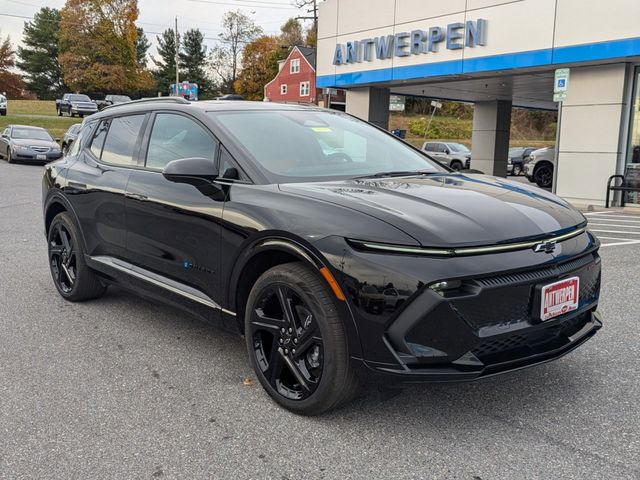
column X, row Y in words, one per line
column 453, row 155
column 28, row 144
column 3, row 105
column 540, row 165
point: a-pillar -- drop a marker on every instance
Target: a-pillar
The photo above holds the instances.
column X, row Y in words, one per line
column 370, row 104
column 490, row 141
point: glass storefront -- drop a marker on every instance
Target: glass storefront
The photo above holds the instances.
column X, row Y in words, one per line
column 632, row 170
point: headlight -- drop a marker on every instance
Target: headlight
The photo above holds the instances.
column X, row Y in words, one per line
column 19, row 148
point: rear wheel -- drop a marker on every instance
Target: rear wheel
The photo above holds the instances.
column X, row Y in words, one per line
column 72, row 277
column 296, row 341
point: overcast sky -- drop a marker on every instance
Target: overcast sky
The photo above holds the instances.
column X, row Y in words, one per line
column 157, row 15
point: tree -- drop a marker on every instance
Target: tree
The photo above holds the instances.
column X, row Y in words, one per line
column 10, row 83
column 238, row 30
column 259, row 66
column 292, row 35
column 98, row 46
column 193, row 58
column 142, row 46
column 311, row 38
column 165, row 74
column 38, row 59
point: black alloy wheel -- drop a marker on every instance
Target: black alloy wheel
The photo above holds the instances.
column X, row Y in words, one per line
column 72, row 277
column 287, row 342
column 296, row 341
column 543, row 176
column 457, row 166
column 63, row 258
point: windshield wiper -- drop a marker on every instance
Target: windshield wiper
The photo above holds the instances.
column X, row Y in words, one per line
column 396, row 173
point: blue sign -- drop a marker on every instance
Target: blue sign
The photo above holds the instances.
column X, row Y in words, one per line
column 562, row 83
column 455, row 36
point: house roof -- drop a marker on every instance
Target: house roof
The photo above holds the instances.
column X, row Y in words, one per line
column 310, row 54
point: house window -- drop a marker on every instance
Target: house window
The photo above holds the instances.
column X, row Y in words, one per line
column 295, row 66
column 283, row 89
column 304, row 89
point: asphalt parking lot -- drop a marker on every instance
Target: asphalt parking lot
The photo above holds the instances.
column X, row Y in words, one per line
column 124, row 388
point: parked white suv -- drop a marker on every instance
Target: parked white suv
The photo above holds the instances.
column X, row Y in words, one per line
column 3, row 105
column 540, row 165
column 453, row 155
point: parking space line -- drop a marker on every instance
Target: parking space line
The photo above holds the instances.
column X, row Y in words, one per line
column 610, row 214
column 598, row 224
column 615, row 244
column 614, row 231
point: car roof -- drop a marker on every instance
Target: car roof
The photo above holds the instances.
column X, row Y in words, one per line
column 27, row 127
column 179, row 104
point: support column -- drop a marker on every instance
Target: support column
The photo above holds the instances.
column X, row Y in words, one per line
column 491, row 133
column 593, row 132
column 370, row 104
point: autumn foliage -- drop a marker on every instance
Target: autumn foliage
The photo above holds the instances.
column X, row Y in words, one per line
column 98, row 46
column 260, row 65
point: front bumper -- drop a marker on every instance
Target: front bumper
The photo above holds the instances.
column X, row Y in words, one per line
column 27, row 156
column 528, row 169
column 83, row 111
column 490, row 325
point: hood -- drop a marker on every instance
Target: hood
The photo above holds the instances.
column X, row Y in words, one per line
column 449, row 210
column 26, row 142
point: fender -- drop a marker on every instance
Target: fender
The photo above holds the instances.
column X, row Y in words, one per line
column 56, row 196
column 309, row 255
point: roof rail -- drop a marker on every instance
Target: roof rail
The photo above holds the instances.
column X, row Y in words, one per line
column 179, row 100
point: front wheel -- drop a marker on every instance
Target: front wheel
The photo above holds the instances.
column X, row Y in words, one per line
column 72, row 277
column 59, row 110
column 543, row 176
column 297, row 342
column 457, row 166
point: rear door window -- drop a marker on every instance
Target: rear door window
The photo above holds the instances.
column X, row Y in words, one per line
column 176, row 136
column 121, row 144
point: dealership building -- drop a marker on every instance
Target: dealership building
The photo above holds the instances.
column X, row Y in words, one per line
column 499, row 55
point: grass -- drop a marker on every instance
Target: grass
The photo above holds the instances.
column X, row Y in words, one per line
column 402, row 121
column 37, row 113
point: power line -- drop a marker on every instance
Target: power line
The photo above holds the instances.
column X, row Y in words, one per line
column 270, row 6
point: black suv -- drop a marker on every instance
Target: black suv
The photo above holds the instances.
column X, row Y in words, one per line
column 291, row 225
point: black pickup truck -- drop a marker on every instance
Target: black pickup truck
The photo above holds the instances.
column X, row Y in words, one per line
column 112, row 100
column 75, row 104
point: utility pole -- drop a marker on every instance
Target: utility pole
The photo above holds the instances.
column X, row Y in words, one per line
column 314, row 10
column 177, row 57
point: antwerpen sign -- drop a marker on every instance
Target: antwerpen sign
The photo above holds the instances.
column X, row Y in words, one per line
column 417, row 42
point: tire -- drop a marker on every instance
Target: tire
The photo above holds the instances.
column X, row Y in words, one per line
column 59, row 112
column 72, row 115
column 322, row 360
column 457, row 165
column 543, row 176
column 75, row 281
column 517, row 170
column 8, row 156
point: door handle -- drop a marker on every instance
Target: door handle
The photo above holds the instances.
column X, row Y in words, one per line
column 137, row 196
column 77, row 186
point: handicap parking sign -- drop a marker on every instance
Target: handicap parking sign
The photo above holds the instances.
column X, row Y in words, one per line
column 562, row 83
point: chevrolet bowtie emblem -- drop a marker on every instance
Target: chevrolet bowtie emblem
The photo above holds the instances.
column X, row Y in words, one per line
column 546, row 247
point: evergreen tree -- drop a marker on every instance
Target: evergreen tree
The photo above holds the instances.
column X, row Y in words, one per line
column 142, row 47
column 193, row 57
column 165, row 74
column 38, row 58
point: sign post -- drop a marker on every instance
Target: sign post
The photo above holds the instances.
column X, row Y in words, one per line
column 560, row 88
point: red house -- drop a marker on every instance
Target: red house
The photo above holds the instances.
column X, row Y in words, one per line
column 296, row 80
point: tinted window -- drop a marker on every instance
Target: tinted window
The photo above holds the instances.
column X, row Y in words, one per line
column 76, row 144
column 429, row 147
column 122, row 140
column 98, row 138
column 79, row 98
column 175, row 136
column 441, row 148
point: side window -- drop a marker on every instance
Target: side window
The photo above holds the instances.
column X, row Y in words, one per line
column 122, row 140
column 75, row 145
column 98, row 138
column 175, row 136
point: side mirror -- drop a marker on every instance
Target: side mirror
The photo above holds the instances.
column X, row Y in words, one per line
column 4, row 135
column 194, row 171
column 57, row 140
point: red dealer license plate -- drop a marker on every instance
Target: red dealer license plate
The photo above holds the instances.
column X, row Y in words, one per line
column 559, row 298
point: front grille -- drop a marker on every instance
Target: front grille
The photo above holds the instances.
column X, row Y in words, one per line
column 507, row 300
column 534, row 341
column 40, row 149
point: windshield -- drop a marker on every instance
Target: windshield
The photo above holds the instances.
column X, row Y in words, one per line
column 31, row 134
column 516, row 152
column 79, row 98
column 311, row 145
column 458, row 148
column 120, row 98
